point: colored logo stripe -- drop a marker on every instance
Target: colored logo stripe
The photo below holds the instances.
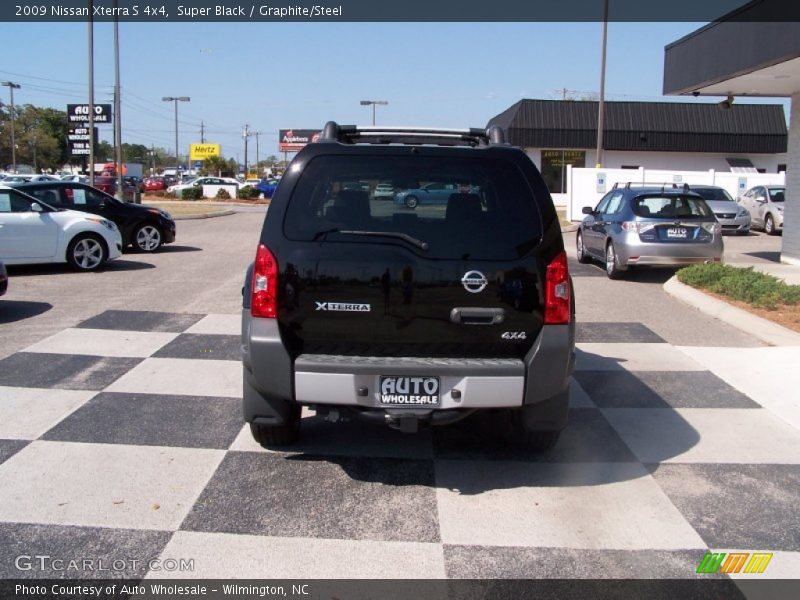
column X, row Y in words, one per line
column 711, row 562
column 758, row 562
column 735, row 562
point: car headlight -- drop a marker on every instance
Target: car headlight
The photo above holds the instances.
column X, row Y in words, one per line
column 105, row 223
column 161, row 213
column 742, row 213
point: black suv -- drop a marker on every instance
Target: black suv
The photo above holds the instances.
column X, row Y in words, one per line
column 356, row 306
column 146, row 228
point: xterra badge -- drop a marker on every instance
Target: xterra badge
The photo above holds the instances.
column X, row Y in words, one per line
column 343, row 307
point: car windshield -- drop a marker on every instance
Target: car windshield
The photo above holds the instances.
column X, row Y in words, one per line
column 469, row 201
column 713, row 193
column 777, row 194
column 670, row 207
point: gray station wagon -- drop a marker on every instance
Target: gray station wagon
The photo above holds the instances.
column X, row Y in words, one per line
column 649, row 226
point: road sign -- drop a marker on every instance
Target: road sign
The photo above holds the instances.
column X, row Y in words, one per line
column 78, row 140
column 79, row 113
column 203, row 151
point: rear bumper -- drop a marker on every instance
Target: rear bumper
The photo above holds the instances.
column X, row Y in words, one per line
column 634, row 252
column 274, row 378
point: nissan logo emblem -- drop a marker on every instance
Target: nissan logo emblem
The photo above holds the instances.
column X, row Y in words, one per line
column 474, row 281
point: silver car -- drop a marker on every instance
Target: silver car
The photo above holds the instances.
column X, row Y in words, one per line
column 765, row 205
column 649, row 226
column 732, row 217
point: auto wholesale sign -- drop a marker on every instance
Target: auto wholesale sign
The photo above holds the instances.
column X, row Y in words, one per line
column 293, row 140
column 79, row 113
column 78, row 140
column 203, row 151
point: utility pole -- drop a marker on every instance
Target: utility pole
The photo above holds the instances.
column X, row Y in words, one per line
column 153, row 159
column 117, row 110
column 176, row 99
column 11, row 87
column 246, row 135
column 91, row 93
column 601, row 104
column 256, row 133
column 202, row 132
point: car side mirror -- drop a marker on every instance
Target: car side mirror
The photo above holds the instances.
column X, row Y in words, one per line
column 587, row 210
column 36, row 207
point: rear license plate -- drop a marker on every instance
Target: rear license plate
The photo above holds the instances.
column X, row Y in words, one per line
column 409, row 391
column 677, row 233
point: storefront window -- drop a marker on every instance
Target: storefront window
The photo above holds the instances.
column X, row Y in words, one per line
column 554, row 167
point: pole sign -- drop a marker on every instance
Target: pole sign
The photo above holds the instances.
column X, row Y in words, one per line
column 293, row 140
column 79, row 113
column 78, row 140
column 203, row 151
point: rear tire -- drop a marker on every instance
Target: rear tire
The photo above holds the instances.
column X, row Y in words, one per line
column 411, row 202
column 147, row 238
column 284, row 434
column 769, row 225
column 87, row 252
column 612, row 265
column 583, row 258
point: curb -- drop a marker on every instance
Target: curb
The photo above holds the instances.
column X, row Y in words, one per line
column 569, row 228
column 211, row 215
column 766, row 331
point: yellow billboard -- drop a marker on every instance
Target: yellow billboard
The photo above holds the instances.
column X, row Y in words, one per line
column 203, row 151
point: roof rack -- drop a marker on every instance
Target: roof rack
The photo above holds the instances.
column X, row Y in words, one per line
column 352, row 134
column 674, row 186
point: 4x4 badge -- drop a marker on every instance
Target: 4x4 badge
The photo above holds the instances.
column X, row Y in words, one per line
column 474, row 281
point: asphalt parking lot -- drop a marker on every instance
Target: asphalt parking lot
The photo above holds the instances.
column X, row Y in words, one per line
column 121, row 436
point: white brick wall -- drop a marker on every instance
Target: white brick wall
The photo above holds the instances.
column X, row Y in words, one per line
column 791, row 216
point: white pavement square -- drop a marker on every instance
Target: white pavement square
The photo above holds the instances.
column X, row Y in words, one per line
column 633, row 357
column 218, row 325
column 578, row 505
column 182, row 376
column 223, row 556
column 104, row 342
column 706, row 435
column 27, row 413
column 105, row 485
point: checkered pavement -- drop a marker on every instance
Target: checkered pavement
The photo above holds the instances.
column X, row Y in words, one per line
column 123, row 438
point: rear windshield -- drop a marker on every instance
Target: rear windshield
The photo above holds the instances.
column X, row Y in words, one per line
column 462, row 208
column 777, row 194
column 670, row 207
column 713, row 193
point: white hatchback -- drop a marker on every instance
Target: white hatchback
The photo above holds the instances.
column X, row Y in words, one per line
column 32, row 232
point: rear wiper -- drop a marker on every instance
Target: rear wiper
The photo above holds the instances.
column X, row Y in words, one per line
column 393, row 234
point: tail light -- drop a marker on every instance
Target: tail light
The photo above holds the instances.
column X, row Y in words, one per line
column 264, row 286
column 557, row 309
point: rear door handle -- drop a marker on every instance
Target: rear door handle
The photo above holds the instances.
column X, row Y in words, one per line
column 477, row 316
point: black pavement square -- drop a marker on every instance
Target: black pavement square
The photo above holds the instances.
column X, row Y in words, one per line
column 136, row 320
column 485, row 562
column 195, row 345
column 153, row 420
column 753, row 507
column 123, row 553
column 9, row 448
column 576, row 269
column 64, row 371
column 660, row 389
column 306, row 496
column 605, row 333
column 588, row 437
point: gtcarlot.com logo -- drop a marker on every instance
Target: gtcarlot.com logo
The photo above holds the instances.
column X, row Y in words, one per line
column 734, row 562
column 45, row 562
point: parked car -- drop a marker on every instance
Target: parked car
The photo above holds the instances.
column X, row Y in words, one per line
column 34, row 232
column 732, row 217
column 383, row 191
column 78, row 178
column 765, row 205
column 3, row 279
column 201, row 181
column 268, row 187
column 134, row 182
column 649, row 226
column 144, row 227
column 437, row 192
column 155, row 184
column 341, row 287
column 17, row 180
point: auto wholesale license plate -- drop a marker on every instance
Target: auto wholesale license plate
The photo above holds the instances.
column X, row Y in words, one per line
column 409, row 391
column 677, row 233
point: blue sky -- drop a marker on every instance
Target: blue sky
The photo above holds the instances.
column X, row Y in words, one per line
column 280, row 75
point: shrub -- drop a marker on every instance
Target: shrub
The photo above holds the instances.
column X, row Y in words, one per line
column 192, row 193
column 249, row 192
column 170, row 195
column 223, row 194
column 744, row 285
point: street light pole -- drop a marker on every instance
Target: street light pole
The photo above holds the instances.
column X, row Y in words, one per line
column 373, row 103
column 176, row 99
column 602, row 99
column 91, row 93
column 11, row 87
column 117, row 109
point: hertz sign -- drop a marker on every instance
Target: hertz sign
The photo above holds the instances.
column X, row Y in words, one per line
column 203, row 151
